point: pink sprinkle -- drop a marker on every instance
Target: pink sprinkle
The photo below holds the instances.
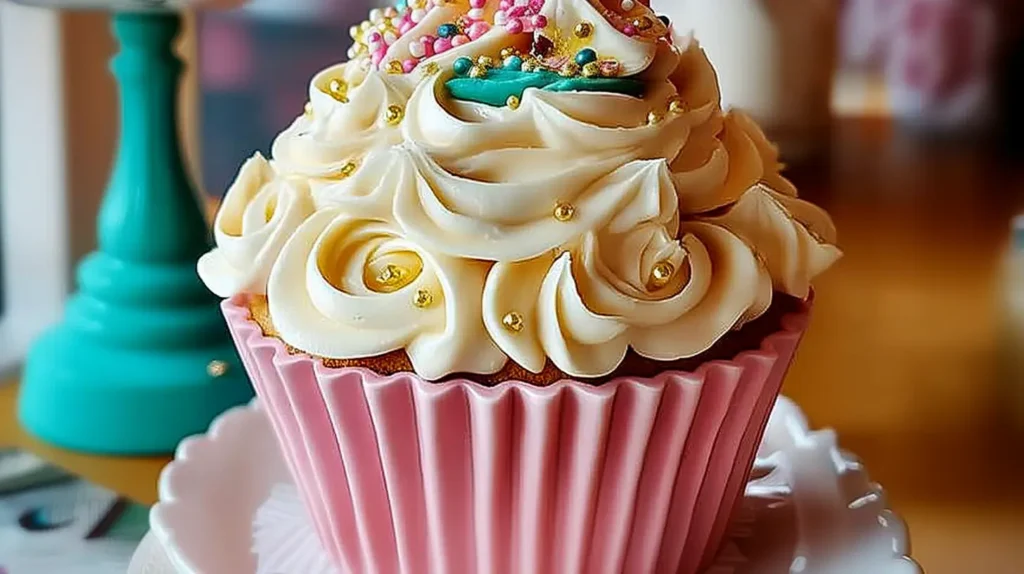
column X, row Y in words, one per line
column 442, row 45
column 540, row 21
column 629, row 30
column 504, row 5
column 536, row 6
column 460, row 40
column 409, row 65
column 477, row 3
column 517, row 12
column 405, row 27
column 428, row 45
column 514, row 27
column 478, row 29
column 374, row 37
column 377, row 58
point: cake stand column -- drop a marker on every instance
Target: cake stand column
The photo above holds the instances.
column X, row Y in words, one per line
column 142, row 358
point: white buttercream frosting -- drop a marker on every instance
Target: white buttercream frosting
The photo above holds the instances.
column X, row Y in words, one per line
column 571, row 228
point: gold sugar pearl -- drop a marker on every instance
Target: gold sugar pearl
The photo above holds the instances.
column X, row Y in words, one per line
column 507, row 53
column 431, row 68
column 395, row 67
column 354, row 32
column 485, row 61
column 661, row 275
column 477, row 72
column 531, row 66
column 583, row 30
column 217, row 368
column 592, row 70
column 513, row 321
column 513, row 102
column 676, row 105
column 564, row 212
column 423, row 299
column 394, row 114
column 391, row 275
column 346, row 171
column 338, row 90
column 655, row 117
column 570, row 69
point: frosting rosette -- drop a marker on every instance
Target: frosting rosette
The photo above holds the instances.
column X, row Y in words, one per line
column 666, row 298
column 259, row 213
column 352, row 111
column 548, row 181
column 353, row 288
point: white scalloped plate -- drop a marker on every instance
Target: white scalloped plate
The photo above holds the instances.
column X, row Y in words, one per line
column 810, row 507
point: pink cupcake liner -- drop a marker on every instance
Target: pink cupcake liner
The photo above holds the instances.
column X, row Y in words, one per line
column 400, row 474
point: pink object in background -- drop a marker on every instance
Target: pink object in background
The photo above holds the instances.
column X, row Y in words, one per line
column 225, row 57
column 405, row 475
column 939, row 67
column 937, row 56
column 866, row 29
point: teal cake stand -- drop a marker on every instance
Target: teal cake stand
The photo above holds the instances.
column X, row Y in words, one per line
column 142, row 358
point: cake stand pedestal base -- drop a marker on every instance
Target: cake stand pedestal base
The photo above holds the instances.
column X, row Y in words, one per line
column 143, row 357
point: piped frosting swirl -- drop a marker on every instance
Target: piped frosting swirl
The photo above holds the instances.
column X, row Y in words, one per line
column 565, row 227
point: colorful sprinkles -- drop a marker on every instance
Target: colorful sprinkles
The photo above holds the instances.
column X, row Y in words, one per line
column 566, row 56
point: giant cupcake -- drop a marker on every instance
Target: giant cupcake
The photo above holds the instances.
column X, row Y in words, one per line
column 516, row 293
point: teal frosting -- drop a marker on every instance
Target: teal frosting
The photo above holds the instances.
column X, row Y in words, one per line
column 496, row 88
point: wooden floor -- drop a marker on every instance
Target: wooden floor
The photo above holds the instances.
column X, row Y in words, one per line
column 907, row 349
column 904, row 354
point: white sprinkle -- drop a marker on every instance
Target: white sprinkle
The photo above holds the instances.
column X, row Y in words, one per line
column 390, row 37
column 476, row 13
column 500, row 18
column 352, row 53
column 396, row 22
column 628, row 5
column 376, row 15
column 417, row 49
column 418, row 15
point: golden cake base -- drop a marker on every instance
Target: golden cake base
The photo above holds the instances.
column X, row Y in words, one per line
column 734, row 343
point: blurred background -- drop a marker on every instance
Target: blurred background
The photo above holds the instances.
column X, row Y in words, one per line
column 901, row 117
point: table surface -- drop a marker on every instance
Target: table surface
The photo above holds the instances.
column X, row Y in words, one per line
column 135, row 478
column 902, row 357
